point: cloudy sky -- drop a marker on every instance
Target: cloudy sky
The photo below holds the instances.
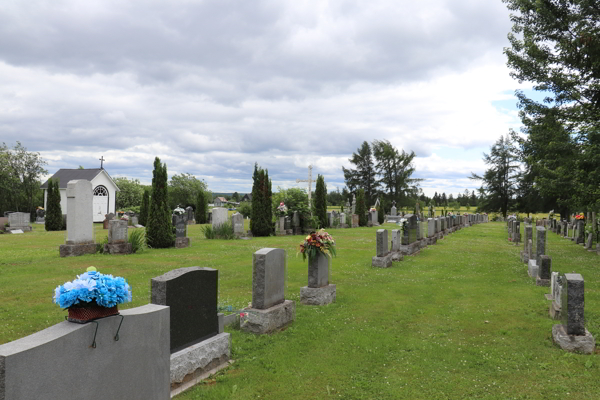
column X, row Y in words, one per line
column 211, row 87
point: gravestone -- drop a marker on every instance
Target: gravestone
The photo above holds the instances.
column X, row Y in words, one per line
column 571, row 335
column 319, row 291
column 117, row 238
column 517, row 232
column 197, row 341
column 281, row 226
column 270, row 311
column 134, row 221
column 590, row 239
column 343, row 220
column 219, row 216
column 540, row 248
column 544, row 270
column 237, row 222
column 19, row 220
column 394, row 211
column 353, row 204
column 553, row 285
column 3, row 222
column 354, row 221
column 80, row 220
column 191, row 293
column 383, row 258
column 40, row 216
column 410, row 244
column 190, row 217
column 580, row 232
column 58, row 362
column 181, row 239
column 396, row 239
column 374, row 218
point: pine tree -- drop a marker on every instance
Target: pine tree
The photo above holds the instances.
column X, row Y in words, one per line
column 380, row 216
column 201, row 208
column 320, row 203
column 143, row 219
column 53, row 219
column 262, row 213
column 159, row 230
column 361, row 209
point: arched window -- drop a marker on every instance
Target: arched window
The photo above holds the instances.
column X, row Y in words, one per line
column 100, row 191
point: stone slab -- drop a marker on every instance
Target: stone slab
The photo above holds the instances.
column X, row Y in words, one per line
column 59, row 363
column 15, row 231
column 73, row 250
column 382, row 262
column 585, row 344
column 409, row 249
column 261, row 321
column 199, row 357
column 118, row 248
column 532, row 269
column 182, row 242
column 268, row 278
column 317, row 296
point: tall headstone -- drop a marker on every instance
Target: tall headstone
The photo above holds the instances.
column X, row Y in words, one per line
column 382, row 242
column 80, row 220
column 580, row 232
column 190, row 218
column 270, row 311
column 181, row 239
column 353, row 204
column 394, row 211
column 192, row 295
column 343, row 220
column 544, row 270
column 237, row 222
column 219, row 216
column 354, row 221
column 540, row 249
column 571, row 335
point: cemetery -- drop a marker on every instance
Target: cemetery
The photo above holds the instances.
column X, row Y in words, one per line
column 462, row 309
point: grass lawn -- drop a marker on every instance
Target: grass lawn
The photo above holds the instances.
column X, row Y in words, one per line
column 459, row 320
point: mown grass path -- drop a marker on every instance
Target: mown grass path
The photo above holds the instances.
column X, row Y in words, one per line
column 459, row 320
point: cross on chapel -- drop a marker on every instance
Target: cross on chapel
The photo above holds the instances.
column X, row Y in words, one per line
column 309, row 180
column 101, row 161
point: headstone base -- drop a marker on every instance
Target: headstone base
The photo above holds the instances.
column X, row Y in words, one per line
column 422, row 243
column 396, row 257
column 192, row 364
column 269, row 320
column 289, row 231
column 382, row 262
column 74, row 250
column 532, row 268
column 548, row 296
column 585, row 344
column 408, row 249
column 369, row 224
column 554, row 311
column 182, row 242
column 542, row 282
column 15, row 231
column 431, row 240
column 118, row 248
column 317, row 296
column 297, row 231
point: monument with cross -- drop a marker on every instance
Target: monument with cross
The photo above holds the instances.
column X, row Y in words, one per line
column 309, row 180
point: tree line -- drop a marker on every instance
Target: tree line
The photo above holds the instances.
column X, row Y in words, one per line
column 554, row 163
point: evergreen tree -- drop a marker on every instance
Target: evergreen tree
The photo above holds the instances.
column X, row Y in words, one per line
column 363, row 177
column 143, row 219
column 262, row 214
column 320, row 203
column 361, row 208
column 159, row 231
column 202, row 207
column 500, row 180
column 53, row 218
column 380, row 216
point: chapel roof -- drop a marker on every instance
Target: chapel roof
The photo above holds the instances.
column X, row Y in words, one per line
column 66, row 175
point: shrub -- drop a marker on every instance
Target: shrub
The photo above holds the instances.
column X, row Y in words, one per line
column 159, row 231
column 137, row 238
column 223, row 231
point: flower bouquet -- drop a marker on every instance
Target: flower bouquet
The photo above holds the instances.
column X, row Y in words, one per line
column 92, row 295
column 317, row 243
column 579, row 216
column 282, row 209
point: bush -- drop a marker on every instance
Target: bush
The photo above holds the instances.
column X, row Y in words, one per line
column 245, row 208
column 223, row 231
column 137, row 238
column 159, row 230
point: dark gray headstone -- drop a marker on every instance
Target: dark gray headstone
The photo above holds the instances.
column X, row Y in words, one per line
column 545, row 267
column 540, row 249
column 268, row 278
column 180, row 225
column 572, row 303
column 192, row 295
column 411, row 227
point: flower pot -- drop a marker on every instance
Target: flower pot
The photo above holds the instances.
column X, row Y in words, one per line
column 82, row 313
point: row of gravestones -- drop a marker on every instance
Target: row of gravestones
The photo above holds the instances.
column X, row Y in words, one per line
column 566, row 290
column 575, row 231
column 159, row 349
column 416, row 235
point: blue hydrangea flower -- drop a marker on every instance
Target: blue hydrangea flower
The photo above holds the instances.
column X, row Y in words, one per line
column 105, row 290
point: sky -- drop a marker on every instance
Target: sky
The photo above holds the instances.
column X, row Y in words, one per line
column 211, row 87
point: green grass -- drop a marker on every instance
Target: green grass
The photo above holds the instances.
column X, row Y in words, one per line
column 459, row 320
